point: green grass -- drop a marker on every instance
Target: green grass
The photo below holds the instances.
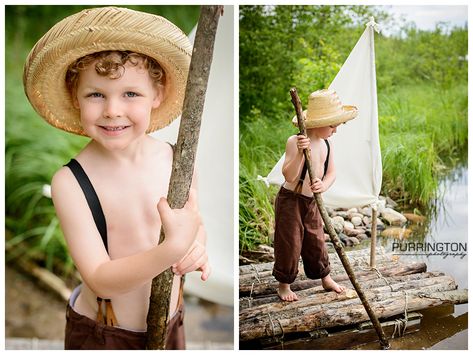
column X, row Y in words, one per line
column 423, row 133
column 33, row 152
column 262, row 142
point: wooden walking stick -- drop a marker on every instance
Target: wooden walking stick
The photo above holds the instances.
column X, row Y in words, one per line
column 333, row 235
column 183, row 162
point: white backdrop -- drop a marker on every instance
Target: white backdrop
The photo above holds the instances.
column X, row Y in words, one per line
column 215, row 168
column 356, row 149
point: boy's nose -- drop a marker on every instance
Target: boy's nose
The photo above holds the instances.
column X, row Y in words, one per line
column 112, row 109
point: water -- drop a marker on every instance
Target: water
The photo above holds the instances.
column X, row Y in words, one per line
column 442, row 327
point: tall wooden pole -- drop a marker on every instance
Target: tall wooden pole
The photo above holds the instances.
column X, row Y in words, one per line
column 183, row 162
column 374, row 232
column 333, row 235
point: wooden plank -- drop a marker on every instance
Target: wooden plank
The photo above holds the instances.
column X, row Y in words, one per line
column 336, row 268
column 349, row 311
column 355, row 256
column 346, row 339
column 269, row 287
column 377, row 287
column 369, row 281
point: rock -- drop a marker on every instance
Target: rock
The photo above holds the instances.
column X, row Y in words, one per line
column 353, row 232
column 362, row 236
column 348, row 225
column 391, row 202
column 327, row 237
column 265, row 249
column 337, row 223
column 352, row 210
column 355, row 214
column 357, row 221
column 415, row 218
column 366, row 211
column 343, row 238
column 366, row 220
column 394, row 218
column 342, row 214
column 330, row 211
column 396, row 232
column 354, row 240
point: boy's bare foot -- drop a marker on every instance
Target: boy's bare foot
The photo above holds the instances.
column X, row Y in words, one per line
column 285, row 293
column 329, row 285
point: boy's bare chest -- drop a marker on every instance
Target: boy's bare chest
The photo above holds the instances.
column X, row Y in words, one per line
column 318, row 156
column 130, row 208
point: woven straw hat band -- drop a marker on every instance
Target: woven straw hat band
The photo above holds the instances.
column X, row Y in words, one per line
column 104, row 29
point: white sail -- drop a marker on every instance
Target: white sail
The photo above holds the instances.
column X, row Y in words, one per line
column 356, row 148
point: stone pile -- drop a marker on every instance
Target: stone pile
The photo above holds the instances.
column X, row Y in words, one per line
column 354, row 225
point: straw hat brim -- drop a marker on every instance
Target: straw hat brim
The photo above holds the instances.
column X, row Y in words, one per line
column 105, row 29
column 346, row 114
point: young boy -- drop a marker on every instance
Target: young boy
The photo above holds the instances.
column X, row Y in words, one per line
column 299, row 228
column 114, row 74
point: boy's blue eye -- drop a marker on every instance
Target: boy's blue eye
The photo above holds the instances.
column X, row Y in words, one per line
column 131, row 94
column 95, row 94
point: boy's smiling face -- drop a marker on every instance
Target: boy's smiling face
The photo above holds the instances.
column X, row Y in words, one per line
column 115, row 112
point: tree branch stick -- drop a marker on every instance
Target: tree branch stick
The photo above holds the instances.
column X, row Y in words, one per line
column 183, row 162
column 333, row 235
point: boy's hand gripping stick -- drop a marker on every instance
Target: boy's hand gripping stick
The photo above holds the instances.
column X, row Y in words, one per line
column 333, row 235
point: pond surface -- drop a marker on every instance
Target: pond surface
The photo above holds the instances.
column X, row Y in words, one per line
column 442, row 327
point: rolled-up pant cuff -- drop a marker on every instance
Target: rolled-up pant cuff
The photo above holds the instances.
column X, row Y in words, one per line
column 316, row 276
column 284, row 278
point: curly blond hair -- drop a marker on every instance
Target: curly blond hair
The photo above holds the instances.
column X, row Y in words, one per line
column 112, row 65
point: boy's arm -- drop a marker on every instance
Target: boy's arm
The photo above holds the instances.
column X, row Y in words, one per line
column 320, row 186
column 196, row 257
column 294, row 160
column 108, row 277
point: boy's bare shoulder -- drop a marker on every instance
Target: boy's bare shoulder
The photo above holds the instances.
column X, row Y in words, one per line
column 161, row 150
column 61, row 182
column 292, row 138
column 291, row 141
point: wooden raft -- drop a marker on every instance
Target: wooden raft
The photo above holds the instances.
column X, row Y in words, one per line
column 327, row 320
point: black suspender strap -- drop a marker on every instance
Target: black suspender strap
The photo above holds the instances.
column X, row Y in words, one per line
column 91, row 197
column 328, row 156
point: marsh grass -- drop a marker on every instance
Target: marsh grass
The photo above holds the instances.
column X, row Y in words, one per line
column 423, row 135
column 423, row 132
column 33, row 152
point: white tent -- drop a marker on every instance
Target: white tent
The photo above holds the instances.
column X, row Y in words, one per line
column 356, row 149
column 215, row 168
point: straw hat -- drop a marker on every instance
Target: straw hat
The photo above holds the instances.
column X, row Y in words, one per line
column 325, row 109
column 102, row 29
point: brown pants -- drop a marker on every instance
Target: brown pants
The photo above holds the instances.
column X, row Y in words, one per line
column 298, row 232
column 83, row 333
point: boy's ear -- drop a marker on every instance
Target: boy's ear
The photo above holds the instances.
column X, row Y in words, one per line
column 75, row 102
column 158, row 97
